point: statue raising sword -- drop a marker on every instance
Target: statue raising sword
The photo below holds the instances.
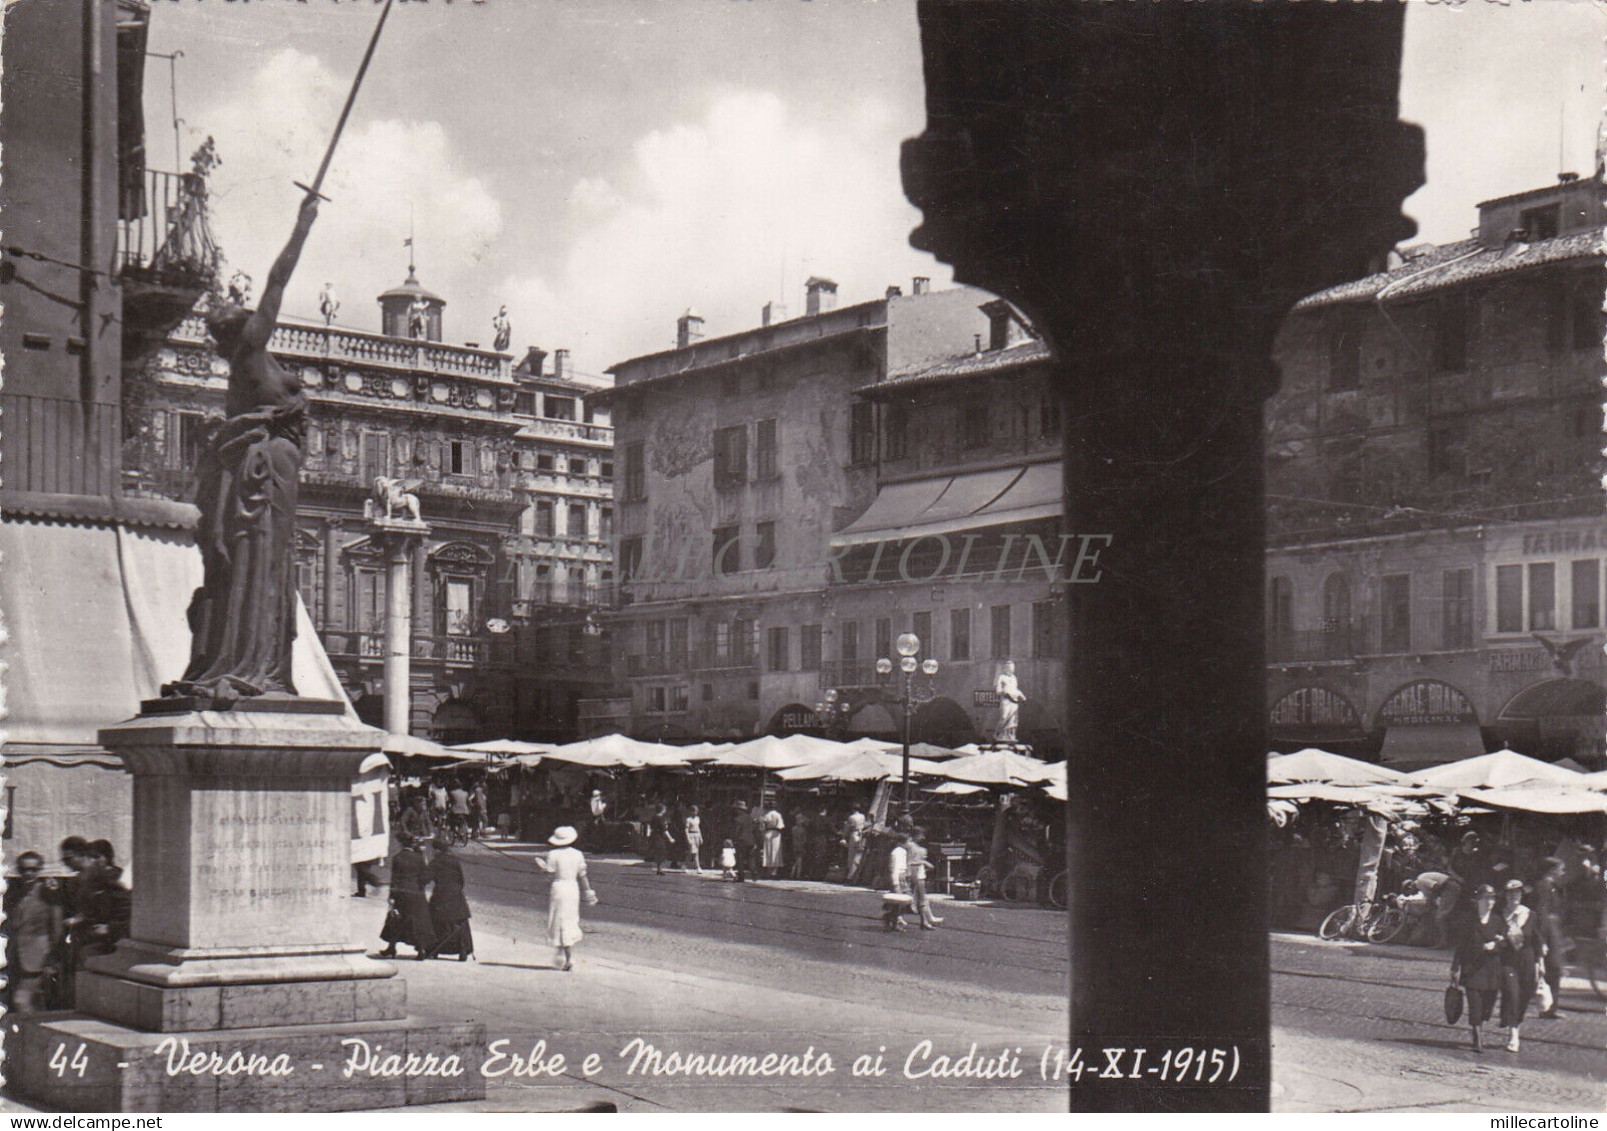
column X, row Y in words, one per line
column 243, row 618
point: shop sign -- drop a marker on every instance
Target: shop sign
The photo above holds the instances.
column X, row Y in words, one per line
column 1314, row 707
column 1426, row 702
column 987, row 698
column 1564, row 541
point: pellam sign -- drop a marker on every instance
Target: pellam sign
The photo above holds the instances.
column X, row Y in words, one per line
column 1426, row 702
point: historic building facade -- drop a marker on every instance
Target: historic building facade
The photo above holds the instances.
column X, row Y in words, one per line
column 511, row 472
column 1436, row 530
column 794, row 497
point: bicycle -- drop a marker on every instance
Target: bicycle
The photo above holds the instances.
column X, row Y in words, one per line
column 1378, row 920
column 1057, row 892
column 1016, row 886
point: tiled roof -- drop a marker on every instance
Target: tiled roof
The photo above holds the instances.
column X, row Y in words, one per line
column 988, row 363
column 1455, row 263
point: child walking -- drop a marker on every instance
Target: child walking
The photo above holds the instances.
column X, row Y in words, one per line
column 728, row 861
column 694, row 840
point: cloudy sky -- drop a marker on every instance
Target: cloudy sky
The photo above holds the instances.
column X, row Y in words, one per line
column 601, row 165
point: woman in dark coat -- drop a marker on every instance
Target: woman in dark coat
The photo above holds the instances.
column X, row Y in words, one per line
column 410, row 921
column 660, row 838
column 1520, row 959
column 1476, row 963
column 449, row 909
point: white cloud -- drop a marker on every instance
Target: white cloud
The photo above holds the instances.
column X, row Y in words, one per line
column 275, row 130
column 714, row 215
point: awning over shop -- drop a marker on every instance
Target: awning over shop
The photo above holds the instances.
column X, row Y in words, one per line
column 96, row 617
column 1427, row 745
column 950, row 504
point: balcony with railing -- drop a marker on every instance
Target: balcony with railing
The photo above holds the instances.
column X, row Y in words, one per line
column 1420, row 632
column 448, row 650
column 732, row 657
column 658, row 663
column 312, row 342
column 852, row 673
column 166, row 257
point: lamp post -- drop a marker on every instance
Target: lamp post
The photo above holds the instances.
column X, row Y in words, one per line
column 832, row 711
column 909, row 648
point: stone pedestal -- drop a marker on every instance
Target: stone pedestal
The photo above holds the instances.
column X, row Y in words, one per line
column 242, row 858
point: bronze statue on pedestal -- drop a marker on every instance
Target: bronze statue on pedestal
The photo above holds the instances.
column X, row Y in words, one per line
column 243, row 618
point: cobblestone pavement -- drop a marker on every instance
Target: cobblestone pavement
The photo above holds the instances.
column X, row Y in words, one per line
column 1358, row 1027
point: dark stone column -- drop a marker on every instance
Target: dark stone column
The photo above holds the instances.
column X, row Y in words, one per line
column 1155, row 184
column 332, row 528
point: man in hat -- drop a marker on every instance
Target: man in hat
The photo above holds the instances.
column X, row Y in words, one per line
column 1548, row 909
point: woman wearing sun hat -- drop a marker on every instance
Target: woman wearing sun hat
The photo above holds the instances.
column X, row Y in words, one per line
column 568, row 867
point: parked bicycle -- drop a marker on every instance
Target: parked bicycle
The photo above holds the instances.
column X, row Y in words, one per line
column 1377, row 920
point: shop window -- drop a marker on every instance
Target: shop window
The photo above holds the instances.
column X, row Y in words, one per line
column 1000, row 615
column 809, row 637
column 1586, row 593
column 959, row 634
column 1396, row 619
column 1542, row 597
column 727, row 554
column 1456, row 608
column 1509, row 598
column 896, row 431
column 635, row 474
column 861, row 433
column 730, row 457
column 765, row 462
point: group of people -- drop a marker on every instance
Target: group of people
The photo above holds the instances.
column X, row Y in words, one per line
column 53, row 923
column 429, row 911
column 754, row 841
column 1502, row 948
column 908, row 866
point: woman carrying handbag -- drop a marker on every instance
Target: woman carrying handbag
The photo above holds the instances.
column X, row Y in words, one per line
column 1476, row 962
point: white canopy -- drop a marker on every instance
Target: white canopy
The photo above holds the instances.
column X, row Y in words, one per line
column 771, row 753
column 412, row 746
column 504, row 746
column 1313, row 765
column 1492, row 771
column 614, row 750
column 861, row 765
column 1000, row 767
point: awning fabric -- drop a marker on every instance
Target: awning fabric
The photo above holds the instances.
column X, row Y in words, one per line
column 96, row 619
column 1450, row 742
column 961, row 502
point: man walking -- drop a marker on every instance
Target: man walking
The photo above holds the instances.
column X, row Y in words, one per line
column 1548, row 899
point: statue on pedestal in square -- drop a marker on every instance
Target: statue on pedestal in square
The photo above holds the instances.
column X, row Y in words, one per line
column 243, row 618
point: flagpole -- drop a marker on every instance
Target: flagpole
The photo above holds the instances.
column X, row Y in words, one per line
column 345, row 111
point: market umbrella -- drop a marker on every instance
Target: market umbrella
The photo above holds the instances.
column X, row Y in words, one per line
column 412, row 746
column 999, row 767
column 609, row 751
column 1491, row 771
column 1313, row 765
column 956, row 787
column 933, row 752
column 504, row 746
column 1055, row 789
column 703, row 751
column 1597, row 780
column 771, row 753
column 862, row 765
column 1540, row 797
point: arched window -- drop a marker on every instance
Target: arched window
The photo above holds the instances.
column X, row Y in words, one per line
column 1280, row 607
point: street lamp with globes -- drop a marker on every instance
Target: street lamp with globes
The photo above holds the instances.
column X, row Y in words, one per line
column 909, row 649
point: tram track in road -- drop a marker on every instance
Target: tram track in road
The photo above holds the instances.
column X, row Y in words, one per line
column 850, row 934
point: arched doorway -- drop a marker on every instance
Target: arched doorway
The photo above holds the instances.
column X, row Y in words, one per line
column 455, row 722
column 942, row 722
column 1555, row 719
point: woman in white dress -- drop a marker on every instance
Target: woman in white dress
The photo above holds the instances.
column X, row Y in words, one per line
column 568, row 868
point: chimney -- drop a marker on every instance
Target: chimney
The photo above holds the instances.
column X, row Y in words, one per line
column 920, row 285
column 688, row 328
column 560, row 363
column 895, row 292
column 767, row 315
column 820, row 295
